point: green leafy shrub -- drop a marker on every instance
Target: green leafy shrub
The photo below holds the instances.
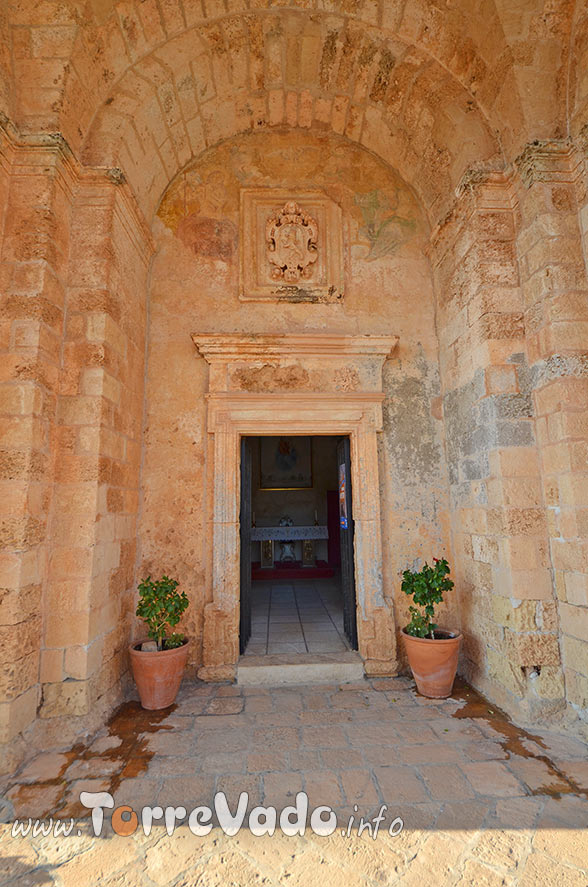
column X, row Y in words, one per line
column 426, row 586
column 160, row 605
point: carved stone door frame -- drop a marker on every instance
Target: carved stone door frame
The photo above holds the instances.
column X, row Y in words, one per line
column 233, row 414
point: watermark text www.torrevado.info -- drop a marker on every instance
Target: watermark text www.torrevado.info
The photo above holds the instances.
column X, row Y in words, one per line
column 292, row 820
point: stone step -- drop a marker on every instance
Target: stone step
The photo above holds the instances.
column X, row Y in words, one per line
column 299, row 668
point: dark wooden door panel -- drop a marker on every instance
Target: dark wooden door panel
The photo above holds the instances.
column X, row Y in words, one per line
column 245, row 533
column 346, row 537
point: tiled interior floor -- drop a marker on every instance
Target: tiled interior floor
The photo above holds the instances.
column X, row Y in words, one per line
column 296, row 616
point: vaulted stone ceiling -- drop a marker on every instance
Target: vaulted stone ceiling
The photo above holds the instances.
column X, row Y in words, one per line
column 435, row 88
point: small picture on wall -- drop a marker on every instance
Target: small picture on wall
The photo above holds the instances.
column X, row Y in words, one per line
column 285, row 463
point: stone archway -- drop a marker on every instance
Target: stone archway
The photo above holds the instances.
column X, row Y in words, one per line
column 313, row 384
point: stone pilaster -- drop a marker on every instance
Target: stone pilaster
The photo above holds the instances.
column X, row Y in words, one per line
column 502, row 565
column 74, row 256
column 38, row 175
column 99, row 424
column 552, row 198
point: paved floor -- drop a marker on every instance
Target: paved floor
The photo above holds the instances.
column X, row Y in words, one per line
column 296, row 617
column 483, row 802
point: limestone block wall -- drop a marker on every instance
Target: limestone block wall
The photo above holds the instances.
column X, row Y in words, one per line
column 73, row 316
column 507, row 602
column 577, row 95
column 555, row 288
column 582, row 192
column 6, row 91
column 512, row 295
column 34, row 258
column 99, row 425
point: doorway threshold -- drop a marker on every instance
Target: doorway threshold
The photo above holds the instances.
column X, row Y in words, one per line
column 300, row 668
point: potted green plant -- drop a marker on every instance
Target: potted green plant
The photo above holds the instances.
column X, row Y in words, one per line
column 432, row 652
column 158, row 665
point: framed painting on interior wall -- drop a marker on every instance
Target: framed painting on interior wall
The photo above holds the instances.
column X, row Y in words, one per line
column 285, row 463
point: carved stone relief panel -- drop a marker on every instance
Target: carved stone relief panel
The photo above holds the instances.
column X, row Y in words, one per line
column 291, row 238
column 303, row 362
column 291, row 246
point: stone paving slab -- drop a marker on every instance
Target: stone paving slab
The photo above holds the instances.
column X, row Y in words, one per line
column 483, row 802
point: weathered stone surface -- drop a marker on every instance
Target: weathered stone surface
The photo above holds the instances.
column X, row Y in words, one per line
column 451, row 146
column 461, row 815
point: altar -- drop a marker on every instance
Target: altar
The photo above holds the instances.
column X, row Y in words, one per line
column 268, row 536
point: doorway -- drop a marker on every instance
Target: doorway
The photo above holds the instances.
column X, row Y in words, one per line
column 297, row 578
column 328, row 406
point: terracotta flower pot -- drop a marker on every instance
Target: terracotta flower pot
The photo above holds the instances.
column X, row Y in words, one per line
column 158, row 675
column 433, row 662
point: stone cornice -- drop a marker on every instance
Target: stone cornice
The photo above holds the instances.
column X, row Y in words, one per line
column 482, row 176
column 481, row 189
column 231, row 346
column 486, row 188
column 6, row 150
column 549, row 160
column 33, row 148
column 96, row 181
column 493, row 189
column 308, row 368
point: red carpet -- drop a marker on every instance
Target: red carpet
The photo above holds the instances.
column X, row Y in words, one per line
column 292, row 570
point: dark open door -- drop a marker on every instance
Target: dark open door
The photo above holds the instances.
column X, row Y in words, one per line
column 245, row 531
column 346, row 536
